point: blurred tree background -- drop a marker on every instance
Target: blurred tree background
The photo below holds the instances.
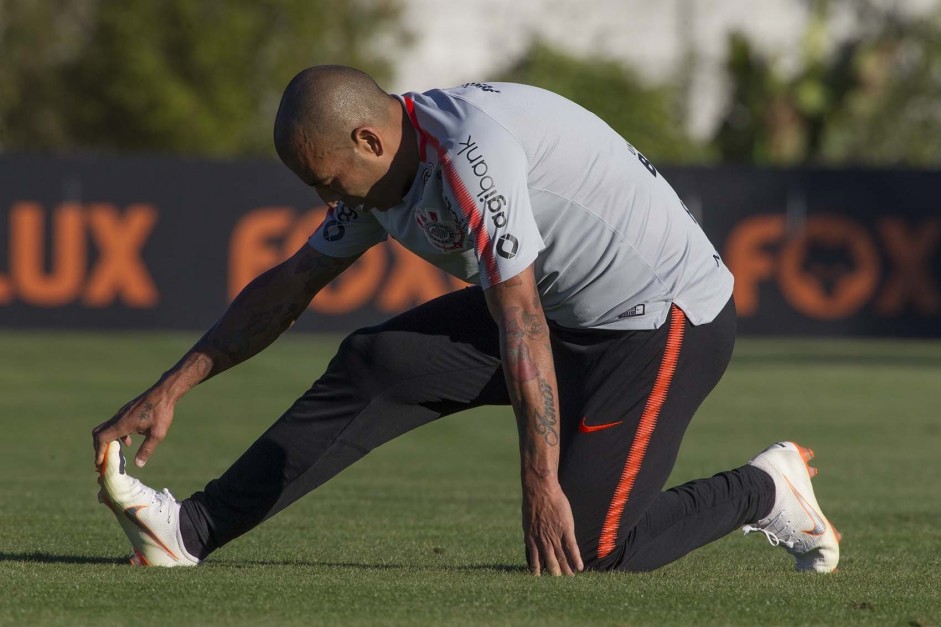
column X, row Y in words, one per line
column 178, row 76
column 873, row 99
column 203, row 77
column 650, row 116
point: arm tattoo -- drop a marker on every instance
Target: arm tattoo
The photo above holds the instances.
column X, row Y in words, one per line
column 511, row 324
column 264, row 309
column 264, row 324
column 201, row 363
column 230, row 344
column 321, row 270
column 545, row 423
column 522, row 364
column 535, row 327
column 291, row 315
column 306, row 264
column 319, row 262
column 264, row 279
column 518, row 356
column 147, row 410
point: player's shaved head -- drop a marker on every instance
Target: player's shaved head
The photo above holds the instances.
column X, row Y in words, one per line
column 322, row 105
column 341, row 134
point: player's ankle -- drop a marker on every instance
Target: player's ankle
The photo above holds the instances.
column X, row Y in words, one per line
column 189, row 534
column 765, row 491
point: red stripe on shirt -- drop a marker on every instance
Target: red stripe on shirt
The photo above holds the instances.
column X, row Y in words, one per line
column 474, row 215
column 423, row 141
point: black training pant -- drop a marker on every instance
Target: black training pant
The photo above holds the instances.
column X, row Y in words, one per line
column 626, row 399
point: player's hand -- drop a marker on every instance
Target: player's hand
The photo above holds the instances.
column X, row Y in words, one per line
column 150, row 415
column 549, row 530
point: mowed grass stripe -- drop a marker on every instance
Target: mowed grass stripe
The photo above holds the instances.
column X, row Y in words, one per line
column 425, row 530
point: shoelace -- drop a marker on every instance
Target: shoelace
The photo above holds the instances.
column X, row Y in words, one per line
column 160, row 498
column 163, row 498
column 773, row 539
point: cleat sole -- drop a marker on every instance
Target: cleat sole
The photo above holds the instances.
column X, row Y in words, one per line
column 806, row 454
column 138, row 559
column 839, row 536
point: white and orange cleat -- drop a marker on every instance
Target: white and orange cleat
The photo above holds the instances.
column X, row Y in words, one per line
column 796, row 521
column 150, row 519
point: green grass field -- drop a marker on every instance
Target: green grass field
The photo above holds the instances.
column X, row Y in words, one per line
column 426, row 529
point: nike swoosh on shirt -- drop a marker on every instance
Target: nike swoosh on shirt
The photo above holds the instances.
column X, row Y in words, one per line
column 586, row 428
column 820, row 525
column 131, row 513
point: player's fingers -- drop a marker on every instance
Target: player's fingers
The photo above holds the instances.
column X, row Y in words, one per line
column 147, row 449
column 127, row 440
column 564, row 567
column 549, row 561
column 99, row 454
column 572, row 553
column 100, row 437
column 532, row 558
column 109, row 431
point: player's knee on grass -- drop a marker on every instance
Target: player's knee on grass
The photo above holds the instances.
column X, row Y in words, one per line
column 618, row 560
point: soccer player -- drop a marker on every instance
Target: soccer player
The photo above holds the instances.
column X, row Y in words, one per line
column 601, row 313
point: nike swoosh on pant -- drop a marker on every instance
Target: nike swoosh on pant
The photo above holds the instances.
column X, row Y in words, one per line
column 586, row 428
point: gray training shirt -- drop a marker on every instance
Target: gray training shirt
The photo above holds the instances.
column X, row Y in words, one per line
column 513, row 175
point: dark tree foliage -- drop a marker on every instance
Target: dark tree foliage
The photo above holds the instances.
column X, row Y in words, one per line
column 198, row 77
column 870, row 99
column 648, row 117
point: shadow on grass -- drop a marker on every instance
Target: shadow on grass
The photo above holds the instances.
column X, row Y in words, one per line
column 506, row 568
column 52, row 558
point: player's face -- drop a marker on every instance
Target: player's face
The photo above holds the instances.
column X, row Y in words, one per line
column 349, row 172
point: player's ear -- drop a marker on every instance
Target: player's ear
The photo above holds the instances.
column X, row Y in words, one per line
column 368, row 139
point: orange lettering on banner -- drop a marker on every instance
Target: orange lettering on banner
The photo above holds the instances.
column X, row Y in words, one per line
column 120, row 270
column 251, row 247
column 805, row 289
column 746, row 255
column 6, row 292
column 63, row 282
column 910, row 251
column 411, row 282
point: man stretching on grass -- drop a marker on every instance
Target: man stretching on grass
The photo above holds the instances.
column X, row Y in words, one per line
column 601, row 313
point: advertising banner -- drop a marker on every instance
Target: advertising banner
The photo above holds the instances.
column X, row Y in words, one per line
column 825, row 252
column 166, row 243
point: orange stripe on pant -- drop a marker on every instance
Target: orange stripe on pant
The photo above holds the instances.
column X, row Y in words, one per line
column 648, row 421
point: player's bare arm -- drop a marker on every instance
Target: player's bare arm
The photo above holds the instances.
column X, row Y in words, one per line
column 262, row 311
column 548, row 525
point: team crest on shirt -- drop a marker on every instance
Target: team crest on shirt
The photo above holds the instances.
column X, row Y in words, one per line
column 444, row 232
column 426, row 174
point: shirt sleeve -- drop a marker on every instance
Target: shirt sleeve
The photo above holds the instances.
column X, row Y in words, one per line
column 347, row 231
column 486, row 183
